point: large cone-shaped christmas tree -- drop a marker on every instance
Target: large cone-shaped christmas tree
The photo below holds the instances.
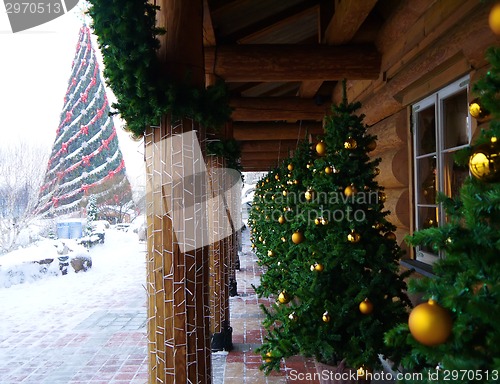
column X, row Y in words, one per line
column 456, row 338
column 86, row 159
column 320, row 228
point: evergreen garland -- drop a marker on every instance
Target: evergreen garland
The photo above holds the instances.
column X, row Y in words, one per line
column 127, row 37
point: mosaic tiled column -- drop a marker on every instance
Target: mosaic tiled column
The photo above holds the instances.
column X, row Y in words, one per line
column 177, row 261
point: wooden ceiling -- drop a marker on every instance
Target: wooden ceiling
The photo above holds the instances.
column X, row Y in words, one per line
column 282, row 59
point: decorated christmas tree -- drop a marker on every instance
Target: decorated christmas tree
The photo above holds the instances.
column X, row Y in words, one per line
column 456, row 334
column 86, row 159
column 331, row 254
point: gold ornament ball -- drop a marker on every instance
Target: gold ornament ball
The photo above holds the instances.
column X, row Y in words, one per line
column 277, row 177
column 285, row 193
column 324, row 221
column 281, row 220
column 382, row 197
column 350, row 143
column 297, row 237
column 353, row 237
column 308, row 195
column 326, row 317
column 309, row 165
column 366, row 307
column 318, row 267
column 371, row 146
column 494, row 19
column 293, row 317
column 474, row 110
column 283, row 297
column 296, row 182
column 270, row 253
column 268, row 358
column 317, row 221
column 328, row 170
column 290, row 167
column 484, row 164
column 350, row 190
column 260, row 238
column 283, row 239
column 390, row 236
column 430, row 324
column 321, row 148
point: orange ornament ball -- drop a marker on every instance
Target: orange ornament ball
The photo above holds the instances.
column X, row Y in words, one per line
column 430, row 324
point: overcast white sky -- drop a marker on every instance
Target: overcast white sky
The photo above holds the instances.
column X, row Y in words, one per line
column 35, row 67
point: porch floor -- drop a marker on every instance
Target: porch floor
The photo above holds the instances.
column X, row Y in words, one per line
column 102, row 338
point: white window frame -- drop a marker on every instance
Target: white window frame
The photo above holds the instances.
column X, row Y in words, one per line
column 436, row 99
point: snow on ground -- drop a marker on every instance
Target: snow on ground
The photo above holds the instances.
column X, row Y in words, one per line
column 118, row 265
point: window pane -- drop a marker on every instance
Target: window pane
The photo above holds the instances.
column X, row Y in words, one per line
column 427, row 217
column 427, row 182
column 455, row 113
column 453, row 175
column 426, row 131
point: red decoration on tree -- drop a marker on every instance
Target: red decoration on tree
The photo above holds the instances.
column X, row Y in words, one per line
column 85, row 188
column 105, row 144
column 111, row 174
column 69, row 115
column 73, row 81
column 84, row 129
column 60, row 175
column 55, row 201
column 86, row 160
column 64, row 147
column 83, row 97
column 117, row 198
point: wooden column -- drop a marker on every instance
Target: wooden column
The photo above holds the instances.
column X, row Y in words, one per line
column 218, row 252
column 177, row 262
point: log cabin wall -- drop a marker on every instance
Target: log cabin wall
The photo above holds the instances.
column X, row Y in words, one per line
column 425, row 45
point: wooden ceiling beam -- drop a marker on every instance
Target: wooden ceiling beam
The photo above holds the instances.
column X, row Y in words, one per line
column 276, row 108
column 289, row 62
column 272, row 156
column 209, row 39
column 266, row 145
column 348, row 17
column 345, row 22
column 272, row 22
column 259, row 165
column 274, row 131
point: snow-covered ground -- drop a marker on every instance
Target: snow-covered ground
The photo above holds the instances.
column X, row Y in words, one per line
column 118, row 264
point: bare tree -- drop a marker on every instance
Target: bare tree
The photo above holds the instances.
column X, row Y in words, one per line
column 22, row 167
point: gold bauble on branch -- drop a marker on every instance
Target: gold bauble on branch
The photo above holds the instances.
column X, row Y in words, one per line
column 281, row 220
column 324, row 221
column 270, row 253
column 476, row 110
column 328, row 170
column 290, row 167
column 484, row 164
column 350, row 143
column 317, row 221
column 260, row 238
column 326, row 317
column 284, row 297
column 494, row 19
column 293, row 317
column 283, row 239
column 350, row 190
column 430, row 324
column 382, row 197
column 297, row 237
column 390, row 236
column 371, row 146
column 277, row 177
column 318, row 267
column 308, row 195
column 353, row 237
column 366, row 307
column 268, row 358
column 321, row 148
column 296, row 182
column 309, row 165
column 285, row 193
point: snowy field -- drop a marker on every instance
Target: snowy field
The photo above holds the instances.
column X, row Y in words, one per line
column 118, row 264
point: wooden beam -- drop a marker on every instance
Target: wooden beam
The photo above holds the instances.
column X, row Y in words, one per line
column 348, row 17
column 274, row 131
column 269, row 156
column 258, row 165
column 209, row 39
column 345, row 22
column 276, row 108
column 272, row 22
column 282, row 62
column 250, row 146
